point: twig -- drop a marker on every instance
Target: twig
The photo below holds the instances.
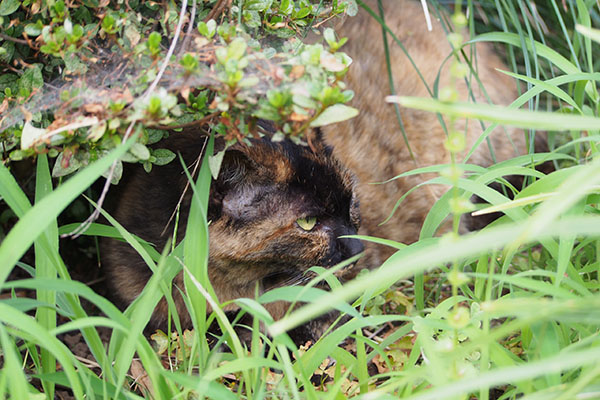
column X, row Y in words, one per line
column 188, row 34
column 86, row 224
column 324, row 21
column 88, row 363
column 187, row 185
column 217, row 9
column 200, row 121
column 12, row 39
column 427, row 16
column 167, row 59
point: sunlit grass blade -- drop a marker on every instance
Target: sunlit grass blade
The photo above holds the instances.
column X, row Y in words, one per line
column 502, row 115
column 45, row 268
column 195, row 253
column 425, row 258
column 510, row 375
column 35, row 221
column 523, row 201
column 541, row 50
column 33, row 330
column 12, row 376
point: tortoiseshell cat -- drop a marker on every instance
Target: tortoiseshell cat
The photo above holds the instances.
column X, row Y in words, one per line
column 275, row 210
column 263, row 203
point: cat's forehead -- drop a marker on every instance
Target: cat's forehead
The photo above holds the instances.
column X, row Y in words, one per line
column 315, row 171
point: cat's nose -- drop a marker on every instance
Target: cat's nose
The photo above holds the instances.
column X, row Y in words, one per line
column 351, row 247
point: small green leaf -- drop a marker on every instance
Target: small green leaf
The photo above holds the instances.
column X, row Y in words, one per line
column 7, row 51
column 278, row 99
column 236, row 49
column 30, row 135
column 140, row 151
column 33, row 29
column 352, row 8
column 63, row 167
column 304, row 101
column 214, row 163
column 303, row 12
column 17, row 155
column 333, row 114
column 132, row 34
column 163, row 156
column 117, row 173
column 257, row 5
column 8, row 7
column 266, row 111
column 248, row 82
column 74, row 64
column 207, row 29
column 96, row 131
column 155, row 135
column 251, row 18
column 188, row 62
column 329, row 36
column 161, row 341
column 287, row 6
column 154, row 42
column 31, row 79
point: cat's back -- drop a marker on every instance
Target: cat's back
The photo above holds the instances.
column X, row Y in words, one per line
column 372, row 144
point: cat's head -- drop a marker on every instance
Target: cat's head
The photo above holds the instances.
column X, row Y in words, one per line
column 277, row 209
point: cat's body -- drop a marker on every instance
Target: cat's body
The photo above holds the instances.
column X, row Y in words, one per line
column 261, row 210
column 263, row 190
column 372, row 144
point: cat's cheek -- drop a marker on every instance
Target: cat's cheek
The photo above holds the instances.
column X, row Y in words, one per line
column 325, row 246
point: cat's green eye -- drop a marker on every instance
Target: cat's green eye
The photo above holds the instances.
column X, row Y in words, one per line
column 307, row 223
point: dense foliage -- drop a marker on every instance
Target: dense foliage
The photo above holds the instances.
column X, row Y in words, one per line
column 77, row 77
column 509, row 312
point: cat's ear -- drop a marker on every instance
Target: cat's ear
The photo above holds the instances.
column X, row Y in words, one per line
column 235, row 166
column 236, row 170
column 317, row 143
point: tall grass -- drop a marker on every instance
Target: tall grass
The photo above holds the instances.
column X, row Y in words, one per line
column 510, row 311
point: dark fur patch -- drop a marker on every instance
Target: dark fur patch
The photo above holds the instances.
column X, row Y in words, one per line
column 261, row 191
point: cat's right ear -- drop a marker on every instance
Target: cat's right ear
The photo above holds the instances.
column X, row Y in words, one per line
column 234, row 168
column 235, row 171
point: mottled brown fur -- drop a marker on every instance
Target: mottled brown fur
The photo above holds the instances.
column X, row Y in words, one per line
column 255, row 240
column 372, row 145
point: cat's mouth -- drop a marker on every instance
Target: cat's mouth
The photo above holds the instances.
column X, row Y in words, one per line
column 285, row 278
column 296, row 278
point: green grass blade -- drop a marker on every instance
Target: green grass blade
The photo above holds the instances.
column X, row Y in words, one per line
column 36, row 220
column 11, row 370
column 510, row 375
column 43, row 338
column 45, row 268
column 502, row 115
column 541, row 50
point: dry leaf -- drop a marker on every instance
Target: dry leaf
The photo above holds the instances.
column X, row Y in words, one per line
column 331, row 63
column 93, row 108
column 140, row 377
column 297, row 71
column 298, row 117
